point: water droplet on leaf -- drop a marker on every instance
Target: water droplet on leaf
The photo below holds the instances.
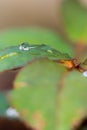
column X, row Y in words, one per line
column 85, row 73
column 24, row 46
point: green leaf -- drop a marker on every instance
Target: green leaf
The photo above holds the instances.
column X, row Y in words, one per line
column 17, row 56
column 34, row 36
column 73, row 101
column 74, row 18
column 35, row 97
column 3, row 104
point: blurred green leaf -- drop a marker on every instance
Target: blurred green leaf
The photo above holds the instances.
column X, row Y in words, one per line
column 73, row 101
column 35, row 97
column 34, row 36
column 17, row 56
column 84, row 64
column 74, row 18
column 3, row 104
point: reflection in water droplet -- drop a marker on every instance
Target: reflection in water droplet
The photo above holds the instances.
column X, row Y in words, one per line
column 24, row 46
column 11, row 112
column 85, row 73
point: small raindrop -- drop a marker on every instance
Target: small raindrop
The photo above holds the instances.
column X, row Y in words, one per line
column 25, row 47
column 85, row 73
column 11, row 112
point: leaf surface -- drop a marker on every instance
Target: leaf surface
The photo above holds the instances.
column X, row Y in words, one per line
column 34, row 36
column 17, row 56
column 72, row 101
column 74, row 18
column 35, row 93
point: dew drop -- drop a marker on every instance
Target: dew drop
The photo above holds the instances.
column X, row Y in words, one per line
column 24, row 46
column 11, row 112
column 85, row 73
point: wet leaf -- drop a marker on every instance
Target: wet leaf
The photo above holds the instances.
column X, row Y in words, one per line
column 34, row 36
column 74, row 18
column 17, row 56
column 36, row 100
column 72, row 101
